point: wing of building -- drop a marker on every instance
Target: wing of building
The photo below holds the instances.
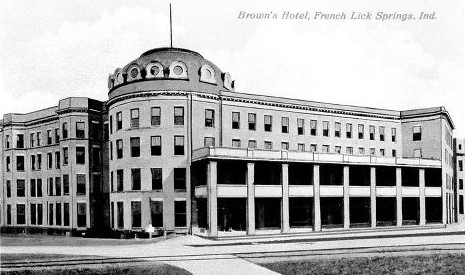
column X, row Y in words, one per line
column 177, row 148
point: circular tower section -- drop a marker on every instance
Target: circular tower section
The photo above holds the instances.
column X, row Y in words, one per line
column 161, row 106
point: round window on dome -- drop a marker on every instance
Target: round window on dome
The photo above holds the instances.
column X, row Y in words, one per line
column 178, row 70
column 208, row 74
column 154, row 70
column 134, row 73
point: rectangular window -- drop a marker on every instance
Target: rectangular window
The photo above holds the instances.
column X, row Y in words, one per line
column 156, row 213
column 236, row 120
column 120, row 209
column 372, row 132
column 80, row 130
column 313, row 127
column 7, row 142
column 236, row 143
column 66, row 214
column 40, row 213
column 20, row 188
column 361, row 151
column 337, row 149
column 326, row 128
column 382, row 152
column 252, row 144
column 19, row 141
column 64, row 130
column 157, row 178
column 65, row 156
column 394, row 153
column 65, row 184
column 179, row 213
column 50, row 186
column 349, row 130
column 381, row 133
column 178, row 145
column 155, row 145
column 39, row 136
column 58, row 213
column 119, row 121
column 301, row 147
column 112, row 188
column 300, row 126
column 209, row 118
column 57, row 135
column 349, row 151
column 372, row 152
column 33, row 162
column 268, row 145
column 416, row 133
column 49, row 137
column 20, row 163
column 81, row 214
column 57, row 159
column 31, row 140
column 313, row 148
column 285, row 125
column 136, row 214
column 268, row 123
column 8, row 164
column 285, row 146
column 49, row 161
column 337, row 129
column 361, row 131
column 460, row 165
column 111, row 124
column 20, row 213
column 57, row 186
column 119, row 148
column 33, row 213
column 179, row 179
column 111, row 150
column 80, row 155
column 178, row 115
column 393, row 134
column 135, row 147
column 50, row 214
column 39, row 187
column 33, row 188
column 252, row 119
column 39, row 161
column 417, row 153
column 209, row 142
column 8, row 188
column 156, row 116
column 134, row 118
column 325, row 149
column 119, row 180
column 81, row 184
column 8, row 214
column 135, row 178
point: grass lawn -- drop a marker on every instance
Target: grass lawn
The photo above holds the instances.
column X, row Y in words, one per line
column 425, row 264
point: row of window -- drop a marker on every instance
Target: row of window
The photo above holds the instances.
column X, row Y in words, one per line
column 179, row 175
column 155, row 147
column 58, row 189
column 155, row 118
column 36, row 211
column 156, row 214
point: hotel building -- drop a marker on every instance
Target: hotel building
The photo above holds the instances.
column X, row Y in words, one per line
column 177, row 148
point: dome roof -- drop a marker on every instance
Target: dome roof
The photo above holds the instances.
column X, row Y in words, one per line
column 170, row 69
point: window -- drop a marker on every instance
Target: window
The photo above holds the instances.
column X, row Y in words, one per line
column 300, row 126
column 39, row 188
column 313, row 127
column 32, row 140
column 301, row 147
column 111, row 150
column 178, row 115
column 361, row 151
column 393, row 134
column 209, row 118
column 20, row 188
column 252, row 144
column 337, row 129
column 394, row 153
column 81, row 184
column 252, row 118
column 80, row 130
column 119, row 148
column 119, row 180
column 313, row 148
column 178, row 145
column 20, row 213
column 156, row 213
column 325, row 149
column 20, row 163
column 135, row 214
column 361, row 130
column 65, row 184
column 119, row 121
column 135, row 178
column 49, row 161
column 39, row 161
column 236, row 120
column 460, row 184
column 57, row 160
column 372, row 132
column 326, row 128
column 39, row 136
column 285, row 125
column 7, row 141
column 57, row 186
column 33, row 162
column 64, row 130
column 155, row 145
column 33, row 210
column 337, row 149
column 416, row 133
column 19, row 141
column 179, row 213
column 8, row 164
column 268, row 123
column 372, row 152
column 66, row 214
column 268, row 145
column 156, row 116
column 65, row 156
column 157, row 178
column 8, row 214
column 285, row 146
column 120, row 215
column 134, row 118
column 49, row 137
column 209, row 142
column 50, row 213
column 417, row 153
column 50, row 186
column 381, row 133
column 349, row 130
column 33, row 188
column 236, row 143
column 349, row 151
column 111, row 124
column 58, row 213
column 135, row 147
column 460, row 165
column 112, row 188
column 81, row 214
column 179, row 179
column 382, row 152
column 80, row 155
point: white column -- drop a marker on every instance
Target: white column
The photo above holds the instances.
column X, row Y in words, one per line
column 316, row 198
column 346, row 197
column 250, row 198
column 212, row 199
column 373, row 195
column 422, row 197
column 399, row 195
column 285, row 199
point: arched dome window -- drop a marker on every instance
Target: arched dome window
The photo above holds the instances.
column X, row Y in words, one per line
column 207, row 74
column 111, row 81
column 154, row 69
column 133, row 73
column 178, row 69
column 227, row 82
column 118, row 77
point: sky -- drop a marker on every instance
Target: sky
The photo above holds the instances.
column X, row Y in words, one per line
column 54, row 49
